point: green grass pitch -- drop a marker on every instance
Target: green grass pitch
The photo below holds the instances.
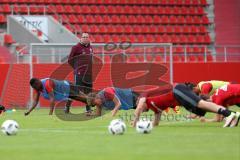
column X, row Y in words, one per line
column 46, row 137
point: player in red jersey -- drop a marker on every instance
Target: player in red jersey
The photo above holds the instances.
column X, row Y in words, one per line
column 227, row 95
column 184, row 96
column 157, row 104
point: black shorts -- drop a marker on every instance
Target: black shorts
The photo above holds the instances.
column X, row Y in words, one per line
column 188, row 99
column 75, row 93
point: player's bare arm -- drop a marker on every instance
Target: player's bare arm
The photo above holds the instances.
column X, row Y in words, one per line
column 52, row 103
column 35, row 102
column 117, row 105
column 139, row 110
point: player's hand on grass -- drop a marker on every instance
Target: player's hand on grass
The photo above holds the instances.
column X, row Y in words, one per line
column 202, row 119
column 89, row 113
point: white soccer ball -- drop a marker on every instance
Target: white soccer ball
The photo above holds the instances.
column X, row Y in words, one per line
column 10, row 127
column 117, row 127
column 144, row 126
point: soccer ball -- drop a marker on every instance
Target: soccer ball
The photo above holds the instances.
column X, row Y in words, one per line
column 144, row 126
column 117, row 127
column 10, row 127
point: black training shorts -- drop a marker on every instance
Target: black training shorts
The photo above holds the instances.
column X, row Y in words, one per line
column 188, row 99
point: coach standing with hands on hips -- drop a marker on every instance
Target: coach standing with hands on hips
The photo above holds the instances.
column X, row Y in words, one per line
column 80, row 59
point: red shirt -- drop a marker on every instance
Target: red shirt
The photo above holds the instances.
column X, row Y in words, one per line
column 49, row 85
column 161, row 102
column 227, row 95
column 206, row 88
column 109, row 93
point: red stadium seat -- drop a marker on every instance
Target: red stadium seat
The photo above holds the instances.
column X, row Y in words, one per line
column 128, row 29
column 80, row 19
column 111, row 9
column 203, row 2
column 140, row 19
column 136, row 29
column 69, row 9
column 90, row 19
column 145, row 28
column 115, row 38
column 205, row 20
column 8, row 39
column 85, row 28
column 173, row 20
column 119, row 28
column 202, row 29
column 77, row 9
column 183, row 39
column 186, row 29
column 73, row 18
column 158, row 39
column 161, row 29
column 123, row 19
column 148, row 19
column 111, row 29
column 140, row 38
column 207, row 39
column 85, row 9
column 178, row 29
column 132, row 19
column 106, row 19
column 158, row 58
column 2, row 19
column 106, row 38
column 94, row 29
column 77, row 28
column 102, row 29
column 209, row 58
column 114, row 19
column 51, row 9
column 169, row 29
column 181, row 20
column 23, row 9
column 150, row 38
column 165, row 20
column 132, row 58
column 149, row 58
column 60, row 9
column 6, row 8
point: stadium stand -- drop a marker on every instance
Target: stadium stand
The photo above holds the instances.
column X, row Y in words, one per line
column 155, row 17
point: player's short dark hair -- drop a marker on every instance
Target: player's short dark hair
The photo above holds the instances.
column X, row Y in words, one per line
column 32, row 81
column 2, row 108
column 190, row 85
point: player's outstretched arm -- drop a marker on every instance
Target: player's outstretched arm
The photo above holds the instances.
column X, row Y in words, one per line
column 98, row 111
column 139, row 110
column 36, row 100
column 117, row 106
column 52, row 103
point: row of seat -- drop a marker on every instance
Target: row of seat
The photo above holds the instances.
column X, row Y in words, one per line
column 102, row 9
column 107, row 2
column 179, row 50
column 161, row 59
column 123, row 19
column 160, row 29
column 175, row 39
